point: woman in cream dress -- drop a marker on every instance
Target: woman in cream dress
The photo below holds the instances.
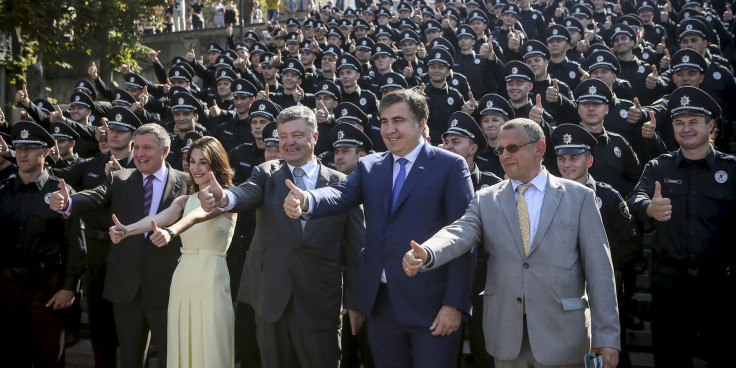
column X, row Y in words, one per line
column 200, row 314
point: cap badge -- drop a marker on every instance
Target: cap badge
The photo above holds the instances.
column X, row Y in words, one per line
column 81, row 84
column 340, row 135
column 119, row 117
column 24, row 134
column 291, row 65
column 686, row 59
column 189, row 142
column 223, row 73
column 275, row 133
column 181, row 101
column 437, row 55
column 261, row 107
column 514, row 70
column 592, row 90
column 489, row 104
column 599, row 58
column 554, row 31
column 618, row 29
column 76, row 98
column 344, row 61
column 176, row 73
column 132, row 79
column 117, row 96
column 324, row 87
column 689, row 27
column 685, row 101
column 454, row 123
column 364, row 43
column 239, row 86
column 567, row 139
column 57, row 130
column 344, row 112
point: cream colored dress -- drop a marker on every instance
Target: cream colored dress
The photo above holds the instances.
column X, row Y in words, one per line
column 201, row 317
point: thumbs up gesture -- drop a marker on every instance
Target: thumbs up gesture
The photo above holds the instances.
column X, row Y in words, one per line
column 298, row 93
column 422, row 51
column 647, row 130
column 153, row 55
column 408, row 71
column 652, row 78
column 422, row 88
column 4, row 149
column 664, row 16
column 414, row 259
column 559, row 11
column 118, row 231
column 214, row 109
column 728, row 14
column 213, row 196
column 659, row 208
column 469, row 107
column 553, row 92
column 159, row 237
column 190, row 56
column 635, row 112
column 323, row 114
column 112, row 165
column 263, row 95
column 296, row 202
column 607, row 25
column 56, row 115
column 21, row 96
column 661, row 46
column 583, row 45
column 514, row 41
column 664, row 63
column 537, row 112
column 92, row 71
column 59, row 200
column 486, row 49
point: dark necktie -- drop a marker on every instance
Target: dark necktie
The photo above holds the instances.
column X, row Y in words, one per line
column 399, row 182
column 147, row 194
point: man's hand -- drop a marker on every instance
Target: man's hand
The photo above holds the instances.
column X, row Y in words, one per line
column 635, row 112
column 153, row 55
column 118, row 231
column 214, row 109
column 101, row 131
column 583, row 74
column 323, row 115
column 297, row 202
column 57, row 115
column 190, row 56
column 4, row 149
column 661, row 46
column 263, row 95
column 357, row 318
column 414, row 259
column 213, row 196
column 125, row 69
column 21, row 97
column 469, row 107
column 298, row 93
column 537, row 112
column 159, row 237
column 647, row 130
column 447, row 321
column 610, row 356
column 59, row 201
column 92, row 71
column 514, row 41
column 659, row 208
column 408, row 71
column 652, row 78
column 112, row 165
column 664, row 63
column 54, row 152
column 61, row 300
column 553, row 92
column 421, row 51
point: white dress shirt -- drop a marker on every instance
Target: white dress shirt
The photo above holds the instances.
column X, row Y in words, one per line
column 534, row 197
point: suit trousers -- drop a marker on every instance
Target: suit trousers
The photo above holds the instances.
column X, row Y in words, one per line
column 397, row 346
column 526, row 358
column 133, row 322
column 101, row 320
column 286, row 344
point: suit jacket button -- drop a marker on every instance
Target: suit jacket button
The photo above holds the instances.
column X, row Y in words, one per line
column 526, row 265
column 518, row 300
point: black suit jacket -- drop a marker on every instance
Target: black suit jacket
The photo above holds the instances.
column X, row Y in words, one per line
column 135, row 263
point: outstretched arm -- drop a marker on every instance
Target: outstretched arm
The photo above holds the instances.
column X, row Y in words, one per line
column 161, row 237
column 166, row 217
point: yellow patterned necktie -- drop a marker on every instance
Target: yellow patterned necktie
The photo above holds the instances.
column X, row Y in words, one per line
column 524, row 216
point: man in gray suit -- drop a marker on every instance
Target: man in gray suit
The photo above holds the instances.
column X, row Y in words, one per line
column 549, row 261
column 295, row 270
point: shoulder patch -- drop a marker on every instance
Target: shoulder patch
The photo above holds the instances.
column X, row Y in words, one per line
column 624, row 208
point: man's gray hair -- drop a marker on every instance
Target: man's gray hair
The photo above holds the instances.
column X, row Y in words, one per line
column 298, row 112
column 162, row 136
column 533, row 130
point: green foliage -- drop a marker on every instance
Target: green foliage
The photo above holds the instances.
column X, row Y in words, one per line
column 100, row 28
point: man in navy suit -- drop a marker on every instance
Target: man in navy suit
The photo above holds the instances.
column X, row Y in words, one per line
column 407, row 193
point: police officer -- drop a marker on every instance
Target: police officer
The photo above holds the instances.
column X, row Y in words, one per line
column 222, row 107
column 442, row 99
column 573, row 145
column 189, row 138
column 557, row 96
column 470, row 63
column 560, row 65
column 236, row 129
column 690, row 198
column 348, row 70
column 350, row 145
column 43, row 257
column 383, row 59
column 290, row 93
column 185, row 117
column 465, row 138
column 623, row 41
column 491, row 112
column 247, row 155
column 65, row 137
column 327, row 97
column 616, row 163
column 89, row 174
column 8, row 169
column 347, row 113
column 79, row 113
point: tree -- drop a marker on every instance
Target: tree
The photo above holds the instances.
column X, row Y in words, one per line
column 42, row 30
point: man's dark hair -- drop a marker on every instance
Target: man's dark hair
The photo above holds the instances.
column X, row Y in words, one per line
column 417, row 102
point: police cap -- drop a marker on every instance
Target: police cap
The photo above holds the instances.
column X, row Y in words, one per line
column 348, row 61
column 465, row 30
column 270, row 134
column 692, row 100
column 29, row 134
column 81, row 99
column 63, row 131
column 294, row 66
column 226, row 74
column 593, row 90
column 687, row 59
column 333, row 50
column 463, row 125
column 535, row 48
column 392, row 80
column 122, row 118
column 558, row 32
column 493, row 104
column 134, row 80
column 190, row 138
column 348, row 112
column 350, row 136
column 516, row 70
column 328, row 87
column 123, row 98
column 381, row 49
column 439, row 56
column 86, row 87
column 602, row 59
column 184, row 101
column 264, row 108
column 243, row 88
column 215, row 47
column 180, row 73
column 571, row 139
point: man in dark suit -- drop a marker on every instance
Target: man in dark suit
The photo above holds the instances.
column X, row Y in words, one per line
column 138, row 272
column 295, row 269
column 410, row 192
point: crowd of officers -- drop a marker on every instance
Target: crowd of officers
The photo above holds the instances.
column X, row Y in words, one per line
column 617, row 88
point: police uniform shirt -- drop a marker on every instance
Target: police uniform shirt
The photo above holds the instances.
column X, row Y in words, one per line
column 454, row 80
column 565, row 71
column 700, row 231
column 483, row 80
column 34, row 236
column 636, row 71
column 66, row 162
column 442, row 103
column 227, row 114
column 615, row 162
column 533, row 22
column 488, row 161
column 243, row 158
column 234, row 132
column 284, row 100
column 565, row 109
column 616, row 122
column 11, row 171
column 364, row 99
column 483, row 179
column 417, row 64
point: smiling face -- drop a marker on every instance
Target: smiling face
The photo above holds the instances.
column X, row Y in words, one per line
column 185, row 121
column 383, row 63
column 199, row 167
column 575, row 167
column 692, row 131
column 223, row 89
column 438, row 73
column 524, row 164
column 518, row 91
column 686, row 77
column 296, row 142
column 491, row 125
column 79, row 113
column 400, row 132
column 290, row 80
column 622, row 44
column 148, row 154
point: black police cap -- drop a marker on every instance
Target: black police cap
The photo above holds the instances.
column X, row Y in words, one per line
column 243, row 88
column 692, row 26
column 63, row 131
column 32, row 135
column 226, row 74
column 121, row 118
column 620, row 28
column 292, row 22
column 687, row 59
column 465, row 30
column 185, row 102
column 692, row 100
column 328, row 87
column 264, row 108
column 224, row 61
column 534, row 48
column 294, row 66
column 190, row 138
column 81, row 99
column 571, row 139
column 409, row 36
column 134, row 80
column 348, row 112
column 333, row 50
column 252, row 35
column 270, row 134
column 558, row 32
column 443, row 43
column 572, row 24
column 392, row 80
column 180, row 73
column 493, row 104
column 381, row 49
column 516, row 70
column 348, row 61
column 439, row 56
column 431, row 25
column 87, row 87
column 215, row 47
column 335, row 31
column 44, row 105
column 478, row 14
column 593, row 90
column 582, row 11
column 602, row 59
column 512, row 9
column 463, row 125
column 350, row 136
column 123, row 98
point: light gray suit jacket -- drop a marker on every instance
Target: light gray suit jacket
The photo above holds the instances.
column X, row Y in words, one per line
column 568, row 270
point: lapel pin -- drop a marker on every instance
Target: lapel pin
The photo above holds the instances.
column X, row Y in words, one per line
column 421, row 167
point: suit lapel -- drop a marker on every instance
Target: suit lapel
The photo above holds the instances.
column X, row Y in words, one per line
column 310, row 229
column 135, row 191
column 418, row 172
column 384, row 177
column 171, row 189
column 552, row 195
column 508, row 205
column 279, row 177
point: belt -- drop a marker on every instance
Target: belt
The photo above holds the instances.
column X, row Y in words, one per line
column 197, row 251
column 23, row 273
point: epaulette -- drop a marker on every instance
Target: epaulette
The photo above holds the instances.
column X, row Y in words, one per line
column 667, row 155
column 726, row 156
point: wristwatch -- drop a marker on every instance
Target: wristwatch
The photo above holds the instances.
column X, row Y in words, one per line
column 171, row 233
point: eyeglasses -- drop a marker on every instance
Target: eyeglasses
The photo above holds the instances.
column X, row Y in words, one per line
column 512, row 148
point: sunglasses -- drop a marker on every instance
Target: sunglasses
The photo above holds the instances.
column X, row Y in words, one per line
column 512, row 148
